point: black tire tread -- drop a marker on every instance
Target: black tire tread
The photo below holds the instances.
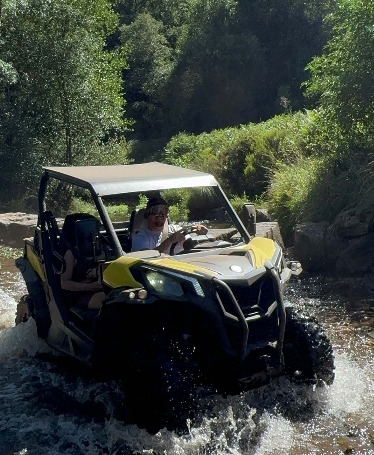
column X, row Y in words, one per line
column 308, row 351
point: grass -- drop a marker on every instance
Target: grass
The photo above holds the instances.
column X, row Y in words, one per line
column 7, row 252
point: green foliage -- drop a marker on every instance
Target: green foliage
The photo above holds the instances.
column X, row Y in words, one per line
column 343, row 76
column 81, row 206
column 10, row 253
column 288, row 193
column 288, row 164
column 198, row 76
column 208, row 152
column 150, row 65
column 65, row 97
column 221, row 69
column 198, row 66
column 242, row 158
column 113, row 151
column 119, row 212
column 115, row 211
column 177, row 200
column 142, row 201
column 316, row 189
column 238, row 201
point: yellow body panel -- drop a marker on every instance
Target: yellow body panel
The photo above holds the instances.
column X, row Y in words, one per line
column 34, row 260
column 182, row 266
column 262, row 249
column 118, row 273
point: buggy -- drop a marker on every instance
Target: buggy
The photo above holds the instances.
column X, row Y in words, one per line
column 211, row 319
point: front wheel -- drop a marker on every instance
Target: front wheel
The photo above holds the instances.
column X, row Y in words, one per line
column 161, row 395
column 308, row 353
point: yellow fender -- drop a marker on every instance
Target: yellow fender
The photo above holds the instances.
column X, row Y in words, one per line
column 118, row 273
column 262, row 249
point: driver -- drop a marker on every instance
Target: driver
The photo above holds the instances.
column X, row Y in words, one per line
column 157, row 233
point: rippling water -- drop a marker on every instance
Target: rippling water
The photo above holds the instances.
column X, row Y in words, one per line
column 49, row 406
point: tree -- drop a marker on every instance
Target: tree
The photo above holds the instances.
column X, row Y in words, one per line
column 221, row 69
column 150, row 59
column 290, row 33
column 342, row 78
column 67, row 96
column 227, row 62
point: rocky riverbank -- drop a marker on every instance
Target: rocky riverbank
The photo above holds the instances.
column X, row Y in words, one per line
column 16, row 226
column 344, row 248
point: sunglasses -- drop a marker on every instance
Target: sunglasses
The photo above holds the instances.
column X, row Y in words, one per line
column 159, row 210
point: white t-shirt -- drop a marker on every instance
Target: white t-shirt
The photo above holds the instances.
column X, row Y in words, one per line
column 146, row 239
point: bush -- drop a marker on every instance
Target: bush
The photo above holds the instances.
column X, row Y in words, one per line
column 241, row 158
column 288, row 193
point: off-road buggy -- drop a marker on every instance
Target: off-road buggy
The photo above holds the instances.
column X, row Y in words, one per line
column 211, row 319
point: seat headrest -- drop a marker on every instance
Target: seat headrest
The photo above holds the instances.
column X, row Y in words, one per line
column 81, row 230
column 139, row 221
column 87, row 233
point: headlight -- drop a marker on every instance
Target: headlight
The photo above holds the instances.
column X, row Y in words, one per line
column 173, row 284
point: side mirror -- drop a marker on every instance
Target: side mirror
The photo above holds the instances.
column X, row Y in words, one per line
column 248, row 217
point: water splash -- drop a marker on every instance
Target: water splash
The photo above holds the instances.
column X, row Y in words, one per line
column 49, row 407
column 8, row 307
column 21, row 339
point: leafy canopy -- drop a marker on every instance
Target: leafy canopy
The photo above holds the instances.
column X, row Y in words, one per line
column 62, row 93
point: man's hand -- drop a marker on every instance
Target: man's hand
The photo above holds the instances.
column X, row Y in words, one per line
column 201, row 229
column 178, row 237
column 198, row 229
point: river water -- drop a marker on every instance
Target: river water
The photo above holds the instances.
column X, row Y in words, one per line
column 48, row 407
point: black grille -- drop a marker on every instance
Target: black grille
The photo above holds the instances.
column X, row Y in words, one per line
column 260, row 334
column 254, row 301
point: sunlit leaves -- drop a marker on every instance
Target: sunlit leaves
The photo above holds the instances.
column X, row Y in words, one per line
column 343, row 77
column 68, row 96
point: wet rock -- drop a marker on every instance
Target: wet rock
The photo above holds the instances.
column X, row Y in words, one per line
column 271, row 230
column 353, row 223
column 356, row 256
column 309, row 246
column 262, row 216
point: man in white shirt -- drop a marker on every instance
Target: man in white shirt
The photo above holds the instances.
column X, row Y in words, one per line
column 153, row 236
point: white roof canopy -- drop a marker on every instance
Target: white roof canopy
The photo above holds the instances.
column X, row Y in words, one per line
column 119, row 179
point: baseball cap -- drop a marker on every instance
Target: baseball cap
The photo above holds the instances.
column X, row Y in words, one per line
column 156, row 201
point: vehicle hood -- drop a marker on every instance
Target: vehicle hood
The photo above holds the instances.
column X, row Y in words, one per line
column 234, row 263
column 229, row 263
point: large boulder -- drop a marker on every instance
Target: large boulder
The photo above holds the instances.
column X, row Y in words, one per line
column 346, row 247
column 271, row 230
column 309, row 246
column 16, row 226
